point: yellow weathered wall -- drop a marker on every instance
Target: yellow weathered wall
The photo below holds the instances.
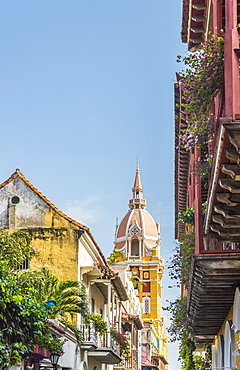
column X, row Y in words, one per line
column 222, row 331
column 56, row 246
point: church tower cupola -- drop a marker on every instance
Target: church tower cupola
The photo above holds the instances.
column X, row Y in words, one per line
column 137, row 200
column 138, row 234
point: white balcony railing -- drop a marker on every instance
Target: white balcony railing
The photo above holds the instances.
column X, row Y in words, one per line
column 89, row 335
column 97, row 340
column 106, row 340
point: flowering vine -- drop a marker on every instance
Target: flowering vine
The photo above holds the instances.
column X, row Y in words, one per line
column 187, row 217
column 178, row 331
column 122, row 340
column 179, row 264
column 200, row 83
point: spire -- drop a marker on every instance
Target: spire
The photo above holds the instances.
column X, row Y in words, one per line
column 137, row 200
column 137, row 182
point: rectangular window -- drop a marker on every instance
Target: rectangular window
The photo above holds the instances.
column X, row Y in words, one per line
column 92, row 305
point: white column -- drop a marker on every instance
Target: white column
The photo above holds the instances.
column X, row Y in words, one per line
column 113, row 306
column 85, row 357
column 120, row 316
column 128, row 247
column 117, row 312
column 109, row 312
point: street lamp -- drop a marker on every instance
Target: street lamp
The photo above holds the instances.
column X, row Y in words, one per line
column 54, row 357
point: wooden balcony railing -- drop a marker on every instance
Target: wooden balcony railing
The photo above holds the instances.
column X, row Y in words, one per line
column 218, row 247
column 130, row 362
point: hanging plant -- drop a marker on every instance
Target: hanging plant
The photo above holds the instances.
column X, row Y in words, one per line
column 122, row 340
column 199, row 84
column 187, row 217
column 178, row 318
column 97, row 321
column 52, row 343
column 178, row 331
column 179, row 264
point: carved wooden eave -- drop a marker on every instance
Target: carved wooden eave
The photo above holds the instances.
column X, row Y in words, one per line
column 194, row 21
column 213, row 281
column 232, row 170
column 181, row 169
column 223, row 210
column 228, row 198
column 223, row 216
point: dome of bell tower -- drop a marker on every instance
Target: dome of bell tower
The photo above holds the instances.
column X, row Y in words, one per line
column 137, row 226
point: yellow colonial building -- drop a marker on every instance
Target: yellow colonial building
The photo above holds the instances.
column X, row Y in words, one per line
column 138, row 239
column 69, row 250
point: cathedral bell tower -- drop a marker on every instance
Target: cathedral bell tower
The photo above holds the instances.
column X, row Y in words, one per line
column 138, row 239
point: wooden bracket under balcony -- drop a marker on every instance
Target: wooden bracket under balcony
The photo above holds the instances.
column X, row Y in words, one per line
column 232, row 170
column 199, row 6
column 198, row 18
column 228, row 198
column 197, row 29
column 230, row 184
column 227, row 211
column 226, row 223
column 197, row 40
column 233, row 130
column 232, row 155
column 224, row 233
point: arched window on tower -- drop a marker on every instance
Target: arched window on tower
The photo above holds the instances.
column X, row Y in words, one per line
column 135, row 247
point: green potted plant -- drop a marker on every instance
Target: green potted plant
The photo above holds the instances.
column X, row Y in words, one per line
column 97, row 320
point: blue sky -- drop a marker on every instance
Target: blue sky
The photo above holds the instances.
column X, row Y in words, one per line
column 86, row 87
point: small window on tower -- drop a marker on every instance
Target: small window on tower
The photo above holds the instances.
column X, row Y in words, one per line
column 146, row 305
column 137, row 195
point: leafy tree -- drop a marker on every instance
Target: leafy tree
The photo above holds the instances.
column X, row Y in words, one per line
column 115, row 256
column 15, row 247
column 69, row 295
column 23, row 296
column 22, row 319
